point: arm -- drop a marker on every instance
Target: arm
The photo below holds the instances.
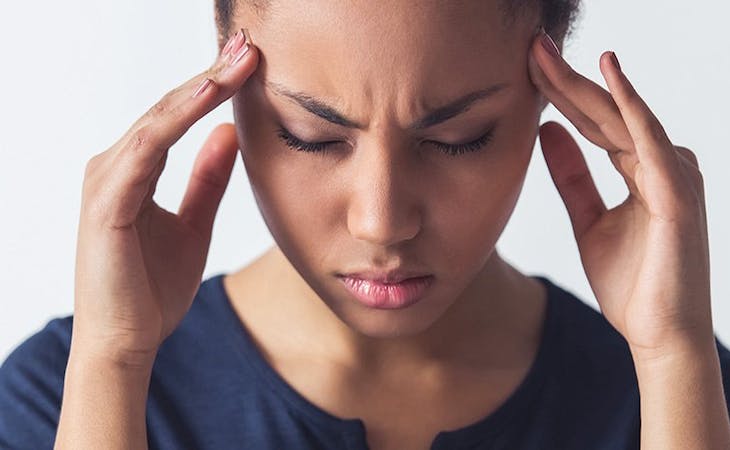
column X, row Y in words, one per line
column 682, row 399
column 647, row 259
column 139, row 266
column 104, row 404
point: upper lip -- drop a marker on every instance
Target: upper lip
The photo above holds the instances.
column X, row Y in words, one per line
column 391, row 276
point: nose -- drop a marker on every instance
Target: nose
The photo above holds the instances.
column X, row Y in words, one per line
column 384, row 208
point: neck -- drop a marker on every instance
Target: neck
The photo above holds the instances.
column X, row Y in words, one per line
column 497, row 319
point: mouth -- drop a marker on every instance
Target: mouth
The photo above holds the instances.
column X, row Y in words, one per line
column 387, row 291
column 385, row 277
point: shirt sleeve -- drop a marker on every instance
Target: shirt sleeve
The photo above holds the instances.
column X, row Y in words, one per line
column 724, row 355
column 31, row 388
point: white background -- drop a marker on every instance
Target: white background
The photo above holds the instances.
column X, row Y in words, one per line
column 75, row 74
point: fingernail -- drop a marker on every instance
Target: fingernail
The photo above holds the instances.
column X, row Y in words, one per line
column 202, row 87
column 239, row 53
column 614, row 60
column 233, row 44
column 238, row 39
column 548, row 44
column 227, row 47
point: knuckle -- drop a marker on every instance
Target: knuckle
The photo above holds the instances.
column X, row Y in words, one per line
column 698, row 180
column 210, row 180
column 142, row 138
column 93, row 172
column 163, row 105
column 92, row 166
column 689, row 154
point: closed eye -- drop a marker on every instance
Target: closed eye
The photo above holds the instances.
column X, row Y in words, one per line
column 450, row 149
column 301, row 145
column 458, row 149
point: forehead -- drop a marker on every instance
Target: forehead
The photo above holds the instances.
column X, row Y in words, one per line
column 371, row 52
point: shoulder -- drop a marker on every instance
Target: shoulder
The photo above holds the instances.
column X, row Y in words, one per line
column 584, row 334
column 595, row 357
column 589, row 368
column 31, row 387
column 32, row 376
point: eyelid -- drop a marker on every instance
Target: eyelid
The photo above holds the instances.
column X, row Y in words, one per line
column 471, row 145
column 487, row 127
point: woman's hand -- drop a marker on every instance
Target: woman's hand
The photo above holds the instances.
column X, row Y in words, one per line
column 647, row 259
column 139, row 266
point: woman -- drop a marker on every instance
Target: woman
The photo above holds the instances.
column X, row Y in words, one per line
column 383, row 318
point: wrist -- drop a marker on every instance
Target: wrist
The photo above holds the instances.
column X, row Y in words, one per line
column 689, row 350
column 111, row 350
column 104, row 400
column 110, row 357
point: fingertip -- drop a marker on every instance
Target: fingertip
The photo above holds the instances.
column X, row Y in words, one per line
column 551, row 127
column 223, row 141
column 244, row 64
column 224, row 129
column 608, row 63
column 555, row 140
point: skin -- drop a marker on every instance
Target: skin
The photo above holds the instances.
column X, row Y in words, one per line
column 139, row 266
column 384, row 196
column 390, row 198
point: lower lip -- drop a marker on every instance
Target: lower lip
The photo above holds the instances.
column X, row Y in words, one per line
column 386, row 295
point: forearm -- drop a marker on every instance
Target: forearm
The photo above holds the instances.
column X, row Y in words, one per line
column 682, row 401
column 104, row 404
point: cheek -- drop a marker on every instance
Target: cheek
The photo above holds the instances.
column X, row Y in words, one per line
column 467, row 220
column 476, row 202
column 290, row 192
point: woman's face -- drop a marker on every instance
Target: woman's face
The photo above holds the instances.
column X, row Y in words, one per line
column 386, row 192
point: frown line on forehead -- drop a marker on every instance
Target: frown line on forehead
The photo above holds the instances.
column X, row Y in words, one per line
column 434, row 117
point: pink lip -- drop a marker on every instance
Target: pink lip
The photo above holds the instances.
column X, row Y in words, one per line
column 390, row 277
column 380, row 295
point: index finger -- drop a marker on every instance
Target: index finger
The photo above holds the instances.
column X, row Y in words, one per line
column 141, row 148
column 587, row 105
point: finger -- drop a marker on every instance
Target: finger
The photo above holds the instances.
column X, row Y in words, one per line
column 209, row 179
column 653, row 147
column 170, row 118
column 138, row 153
column 586, row 104
column 571, row 177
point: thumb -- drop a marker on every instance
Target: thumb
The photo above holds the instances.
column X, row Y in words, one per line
column 571, row 176
column 209, row 179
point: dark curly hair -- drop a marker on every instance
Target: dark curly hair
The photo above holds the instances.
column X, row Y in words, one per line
column 558, row 16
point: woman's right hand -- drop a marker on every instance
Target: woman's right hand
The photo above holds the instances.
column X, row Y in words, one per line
column 138, row 266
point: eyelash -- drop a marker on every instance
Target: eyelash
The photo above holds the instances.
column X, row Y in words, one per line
column 450, row 149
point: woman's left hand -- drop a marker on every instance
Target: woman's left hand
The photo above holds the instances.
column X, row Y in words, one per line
column 647, row 259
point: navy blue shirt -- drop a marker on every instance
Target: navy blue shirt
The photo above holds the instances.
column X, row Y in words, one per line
column 211, row 388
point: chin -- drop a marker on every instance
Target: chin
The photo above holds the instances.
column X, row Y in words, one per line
column 388, row 327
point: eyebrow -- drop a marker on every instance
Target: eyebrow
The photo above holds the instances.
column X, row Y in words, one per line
column 434, row 117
